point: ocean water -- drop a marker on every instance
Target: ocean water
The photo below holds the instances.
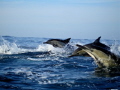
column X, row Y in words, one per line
column 28, row 64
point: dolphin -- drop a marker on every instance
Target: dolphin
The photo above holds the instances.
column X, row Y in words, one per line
column 80, row 52
column 58, row 42
column 103, row 57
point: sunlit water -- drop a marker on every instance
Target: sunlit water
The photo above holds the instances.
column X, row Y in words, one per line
column 28, row 64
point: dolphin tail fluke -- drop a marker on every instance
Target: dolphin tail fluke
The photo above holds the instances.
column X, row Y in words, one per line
column 97, row 40
column 67, row 40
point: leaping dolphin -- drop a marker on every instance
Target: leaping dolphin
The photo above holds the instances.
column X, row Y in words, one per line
column 80, row 52
column 102, row 57
column 58, row 42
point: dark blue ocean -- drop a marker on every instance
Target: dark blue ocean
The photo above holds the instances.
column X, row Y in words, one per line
column 28, row 64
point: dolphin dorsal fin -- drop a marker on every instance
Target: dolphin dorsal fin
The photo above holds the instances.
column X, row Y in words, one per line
column 67, row 40
column 97, row 40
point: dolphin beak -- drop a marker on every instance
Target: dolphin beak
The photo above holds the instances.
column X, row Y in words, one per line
column 44, row 42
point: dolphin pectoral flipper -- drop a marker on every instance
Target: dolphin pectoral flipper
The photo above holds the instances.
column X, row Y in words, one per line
column 79, row 52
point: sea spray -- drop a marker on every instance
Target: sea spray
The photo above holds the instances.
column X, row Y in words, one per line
column 115, row 47
column 7, row 48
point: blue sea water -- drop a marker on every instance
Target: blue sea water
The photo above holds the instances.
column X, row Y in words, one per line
column 28, row 64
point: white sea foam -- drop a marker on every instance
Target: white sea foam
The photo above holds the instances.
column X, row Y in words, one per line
column 115, row 48
column 22, row 70
column 7, row 47
column 55, row 51
column 41, row 78
column 11, row 48
column 45, row 47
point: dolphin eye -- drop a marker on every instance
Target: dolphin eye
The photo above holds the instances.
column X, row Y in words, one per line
column 54, row 45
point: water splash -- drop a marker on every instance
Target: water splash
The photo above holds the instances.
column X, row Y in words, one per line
column 44, row 47
column 8, row 48
column 57, row 51
column 115, row 48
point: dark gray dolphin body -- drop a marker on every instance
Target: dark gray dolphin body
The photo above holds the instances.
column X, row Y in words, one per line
column 102, row 57
column 58, row 42
column 80, row 52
